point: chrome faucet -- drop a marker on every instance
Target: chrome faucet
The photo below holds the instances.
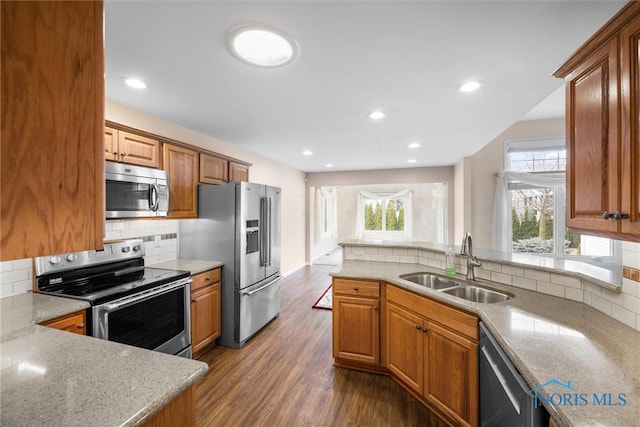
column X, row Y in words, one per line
column 472, row 261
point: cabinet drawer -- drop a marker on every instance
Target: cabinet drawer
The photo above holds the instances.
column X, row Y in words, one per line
column 203, row 279
column 452, row 318
column 74, row 322
column 356, row 287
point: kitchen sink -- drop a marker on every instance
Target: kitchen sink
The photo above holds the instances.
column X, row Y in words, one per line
column 432, row 281
column 477, row 294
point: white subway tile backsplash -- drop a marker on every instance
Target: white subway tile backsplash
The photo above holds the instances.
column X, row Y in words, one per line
column 408, row 259
column 491, row 266
column 371, row 250
column 385, row 251
column 614, row 297
column 601, row 304
column 574, row 294
column 550, row 289
column 513, row 270
column 632, row 303
column 522, row 282
column 377, row 258
column 6, row 265
column 588, row 299
column 542, row 276
column 591, row 288
column 501, row 278
column 482, row 274
column 631, row 259
column 625, row 316
column 399, row 251
column 392, row 258
column 16, row 277
column 630, row 287
column 569, row 281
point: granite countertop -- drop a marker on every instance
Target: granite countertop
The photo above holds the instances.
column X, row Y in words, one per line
column 547, row 338
column 56, row 378
column 606, row 274
column 195, row 266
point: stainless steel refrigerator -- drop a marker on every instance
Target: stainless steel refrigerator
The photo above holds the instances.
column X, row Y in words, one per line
column 239, row 224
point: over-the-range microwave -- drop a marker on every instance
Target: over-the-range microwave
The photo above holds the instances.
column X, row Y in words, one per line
column 135, row 191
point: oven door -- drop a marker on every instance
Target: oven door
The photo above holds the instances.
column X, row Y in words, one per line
column 155, row 319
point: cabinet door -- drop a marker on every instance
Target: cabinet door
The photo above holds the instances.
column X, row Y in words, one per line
column 451, row 374
column 52, row 128
column 213, row 169
column 205, row 317
column 405, row 352
column 592, row 141
column 630, row 89
column 110, row 143
column 182, row 165
column 356, row 329
column 138, row 150
column 238, row 172
column 74, row 323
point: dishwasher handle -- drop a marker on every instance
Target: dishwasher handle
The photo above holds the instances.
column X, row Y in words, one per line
column 503, row 381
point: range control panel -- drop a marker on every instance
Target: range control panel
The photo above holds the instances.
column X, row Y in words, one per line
column 115, row 251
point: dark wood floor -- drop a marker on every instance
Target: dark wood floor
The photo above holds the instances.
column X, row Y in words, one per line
column 284, row 376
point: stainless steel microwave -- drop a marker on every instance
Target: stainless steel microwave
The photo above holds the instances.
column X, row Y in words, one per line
column 135, row 191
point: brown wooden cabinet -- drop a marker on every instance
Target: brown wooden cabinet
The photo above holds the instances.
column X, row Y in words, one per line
column 181, row 411
column 52, row 118
column 205, row 310
column 238, row 171
column 356, row 321
column 74, row 323
column 603, row 130
column 127, row 147
column 182, row 165
column 432, row 349
column 218, row 170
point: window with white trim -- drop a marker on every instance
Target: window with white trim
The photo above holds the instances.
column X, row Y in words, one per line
column 385, row 215
column 537, row 202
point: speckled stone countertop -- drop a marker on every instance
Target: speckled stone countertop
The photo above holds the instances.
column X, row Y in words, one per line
column 56, row 378
column 608, row 275
column 195, row 266
column 547, row 338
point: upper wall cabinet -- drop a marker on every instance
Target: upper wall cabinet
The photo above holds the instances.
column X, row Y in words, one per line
column 603, row 130
column 127, row 147
column 218, row 170
column 182, row 165
column 52, row 164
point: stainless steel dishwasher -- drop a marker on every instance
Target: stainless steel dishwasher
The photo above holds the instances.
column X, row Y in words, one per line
column 505, row 398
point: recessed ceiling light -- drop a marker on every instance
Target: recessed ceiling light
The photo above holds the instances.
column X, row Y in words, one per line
column 414, row 145
column 328, row 165
column 470, row 86
column 376, row 115
column 260, row 45
column 307, row 153
column 135, row 83
column 411, row 161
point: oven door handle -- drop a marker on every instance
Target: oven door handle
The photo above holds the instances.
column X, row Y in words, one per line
column 503, row 381
column 130, row 300
column 262, row 287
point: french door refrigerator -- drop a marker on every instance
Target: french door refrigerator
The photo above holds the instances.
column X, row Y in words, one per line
column 239, row 224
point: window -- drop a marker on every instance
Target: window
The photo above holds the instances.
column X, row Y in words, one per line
column 385, row 215
column 536, row 199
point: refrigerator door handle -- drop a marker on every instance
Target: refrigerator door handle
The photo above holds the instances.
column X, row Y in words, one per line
column 269, row 211
column 263, row 231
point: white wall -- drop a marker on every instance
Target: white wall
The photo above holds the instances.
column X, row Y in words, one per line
column 443, row 174
column 263, row 171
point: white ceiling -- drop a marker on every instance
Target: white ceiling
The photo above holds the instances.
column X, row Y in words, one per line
column 405, row 58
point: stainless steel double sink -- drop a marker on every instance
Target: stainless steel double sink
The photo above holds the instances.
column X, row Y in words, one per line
column 450, row 286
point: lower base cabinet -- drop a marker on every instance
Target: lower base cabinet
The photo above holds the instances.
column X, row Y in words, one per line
column 428, row 347
column 181, row 411
column 74, row 323
column 205, row 311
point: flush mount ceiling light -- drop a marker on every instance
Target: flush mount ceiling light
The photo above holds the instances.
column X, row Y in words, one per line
column 328, row 165
column 135, row 83
column 262, row 46
column 307, row 153
column 376, row 115
column 414, row 145
column 411, row 161
column 470, row 86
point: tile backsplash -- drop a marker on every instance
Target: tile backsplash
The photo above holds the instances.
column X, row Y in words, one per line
column 623, row 306
column 160, row 244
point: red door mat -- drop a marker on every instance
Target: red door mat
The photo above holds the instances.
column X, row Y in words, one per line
column 324, row 301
